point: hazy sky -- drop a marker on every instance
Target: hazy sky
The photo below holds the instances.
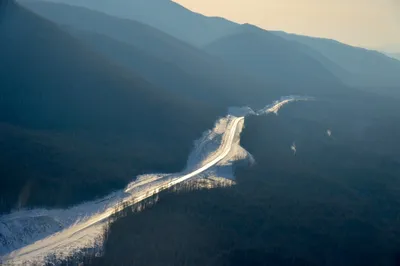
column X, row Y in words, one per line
column 368, row 23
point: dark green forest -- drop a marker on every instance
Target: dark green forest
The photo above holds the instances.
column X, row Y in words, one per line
column 335, row 202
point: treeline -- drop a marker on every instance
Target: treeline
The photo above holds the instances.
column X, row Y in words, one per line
column 93, row 255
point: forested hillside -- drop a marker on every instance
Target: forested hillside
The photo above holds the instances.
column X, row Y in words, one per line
column 75, row 125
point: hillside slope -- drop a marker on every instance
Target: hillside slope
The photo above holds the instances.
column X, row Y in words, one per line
column 275, row 60
column 75, row 126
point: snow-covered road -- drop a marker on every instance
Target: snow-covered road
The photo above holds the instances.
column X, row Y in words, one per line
column 81, row 233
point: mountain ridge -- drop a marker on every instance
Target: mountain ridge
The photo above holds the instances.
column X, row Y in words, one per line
column 169, row 20
column 355, row 72
column 368, row 67
column 211, row 75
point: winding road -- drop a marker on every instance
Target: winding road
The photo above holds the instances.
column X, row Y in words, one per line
column 66, row 237
column 86, row 231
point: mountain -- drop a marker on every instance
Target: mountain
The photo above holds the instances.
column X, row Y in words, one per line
column 165, row 15
column 156, row 55
column 367, row 68
column 274, row 60
column 355, row 66
column 74, row 125
column 188, row 60
column 142, row 36
column 162, row 73
column 394, row 55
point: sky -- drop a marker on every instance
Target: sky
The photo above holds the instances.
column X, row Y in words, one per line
column 366, row 23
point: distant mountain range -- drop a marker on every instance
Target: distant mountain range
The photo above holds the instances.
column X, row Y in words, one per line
column 290, row 71
column 352, row 65
column 162, row 59
column 165, row 15
column 366, row 68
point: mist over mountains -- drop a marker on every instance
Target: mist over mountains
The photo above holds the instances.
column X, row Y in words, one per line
column 366, row 68
column 96, row 92
column 354, row 66
column 165, row 15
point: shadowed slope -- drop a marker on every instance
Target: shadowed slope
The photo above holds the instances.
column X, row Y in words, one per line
column 74, row 126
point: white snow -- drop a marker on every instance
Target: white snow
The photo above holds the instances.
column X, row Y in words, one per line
column 29, row 236
column 294, row 148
